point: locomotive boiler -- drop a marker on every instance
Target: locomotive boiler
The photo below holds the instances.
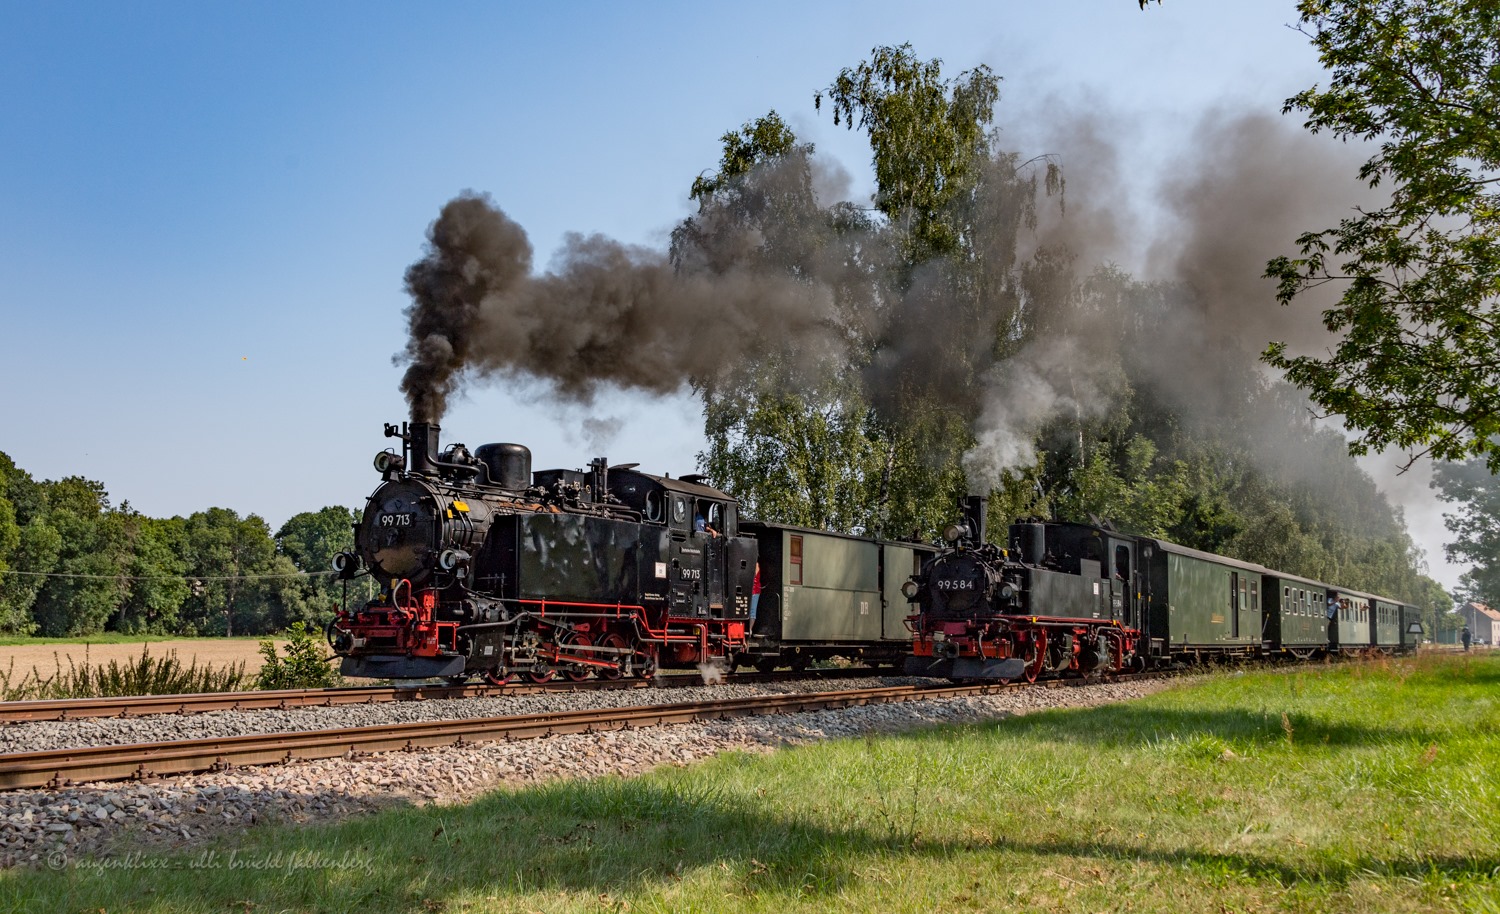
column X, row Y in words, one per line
column 486, row 568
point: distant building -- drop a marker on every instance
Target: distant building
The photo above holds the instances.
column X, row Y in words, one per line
column 1483, row 622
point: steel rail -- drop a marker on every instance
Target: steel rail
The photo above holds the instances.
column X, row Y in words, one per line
column 64, row 767
column 64, row 709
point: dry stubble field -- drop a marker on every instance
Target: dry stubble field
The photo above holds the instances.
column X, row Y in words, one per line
column 46, row 658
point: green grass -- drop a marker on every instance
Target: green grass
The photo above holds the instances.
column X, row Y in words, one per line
column 1361, row 788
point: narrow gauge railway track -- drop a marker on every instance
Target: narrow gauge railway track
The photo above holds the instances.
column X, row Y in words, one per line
column 65, row 767
column 62, row 709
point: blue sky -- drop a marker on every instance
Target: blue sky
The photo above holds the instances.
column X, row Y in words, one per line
column 206, row 208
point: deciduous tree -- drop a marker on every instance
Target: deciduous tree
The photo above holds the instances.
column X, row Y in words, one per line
column 1415, row 365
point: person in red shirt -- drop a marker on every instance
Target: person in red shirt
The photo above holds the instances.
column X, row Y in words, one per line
column 754, row 596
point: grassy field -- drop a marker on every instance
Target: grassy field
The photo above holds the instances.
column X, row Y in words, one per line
column 1365, row 788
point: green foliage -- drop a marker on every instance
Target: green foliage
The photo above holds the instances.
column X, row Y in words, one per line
column 145, row 675
column 311, row 540
column 71, row 564
column 89, row 570
column 305, row 665
column 1475, row 490
column 765, row 138
column 928, row 136
column 247, row 586
column 935, row 294
column 1414, row 366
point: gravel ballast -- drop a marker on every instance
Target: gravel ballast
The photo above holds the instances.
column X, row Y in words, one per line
column 58, row 827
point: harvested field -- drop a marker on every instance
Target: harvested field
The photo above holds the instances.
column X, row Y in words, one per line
column 46, row 658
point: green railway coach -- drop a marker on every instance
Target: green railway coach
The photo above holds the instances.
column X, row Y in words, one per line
column 828, row 594
column 1296, row 615
column 1200, row 603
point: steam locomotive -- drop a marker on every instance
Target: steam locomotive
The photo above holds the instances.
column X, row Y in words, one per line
column 992, row 613
column 1075, row 599
column 488, row 569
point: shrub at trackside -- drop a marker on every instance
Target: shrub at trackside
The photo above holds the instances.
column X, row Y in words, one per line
column 304, row 666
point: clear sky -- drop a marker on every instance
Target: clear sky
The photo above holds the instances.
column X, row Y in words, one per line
column 206, row 208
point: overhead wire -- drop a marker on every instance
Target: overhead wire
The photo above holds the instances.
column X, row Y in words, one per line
column 186, row 578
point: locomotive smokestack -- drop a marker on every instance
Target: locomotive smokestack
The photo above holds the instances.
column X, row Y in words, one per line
column 974, row 509
column 422, row 438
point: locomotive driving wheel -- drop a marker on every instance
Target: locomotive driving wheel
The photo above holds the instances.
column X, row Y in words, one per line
column 1036, row 658
column 494, row 677
column 579, row 643
column 616, row 641
column 541, row 673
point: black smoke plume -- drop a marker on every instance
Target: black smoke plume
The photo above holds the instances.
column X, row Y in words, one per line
column 606, row 314
column 474, row 252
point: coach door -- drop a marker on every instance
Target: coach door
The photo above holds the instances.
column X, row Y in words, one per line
column 1235, row 602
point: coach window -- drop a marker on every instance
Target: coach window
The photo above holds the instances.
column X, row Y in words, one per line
column 1255, row 596
column 1286, row 600
column 794, row 572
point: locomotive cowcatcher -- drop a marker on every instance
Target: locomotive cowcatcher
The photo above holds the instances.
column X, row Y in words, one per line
column 488, row 569
column 1059, row 600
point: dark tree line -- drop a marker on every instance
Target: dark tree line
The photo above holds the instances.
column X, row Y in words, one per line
column 72, row 563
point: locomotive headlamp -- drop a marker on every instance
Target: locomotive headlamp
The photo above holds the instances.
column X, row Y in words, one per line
column 346, row 564
column 1007, row 591
column 955, row 532
column 386, row 462
column 909, row 590
column 450, row 559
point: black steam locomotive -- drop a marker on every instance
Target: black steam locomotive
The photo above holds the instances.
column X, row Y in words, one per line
column 486, row 568
column 986, row 612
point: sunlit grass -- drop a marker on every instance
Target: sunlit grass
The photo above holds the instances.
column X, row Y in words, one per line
column 1357, row 788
